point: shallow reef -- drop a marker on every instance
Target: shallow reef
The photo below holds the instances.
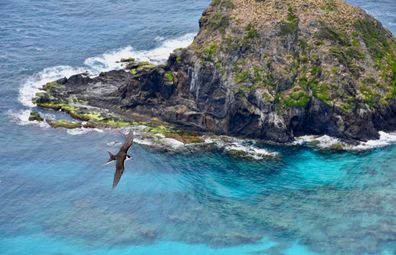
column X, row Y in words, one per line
column 320, row 224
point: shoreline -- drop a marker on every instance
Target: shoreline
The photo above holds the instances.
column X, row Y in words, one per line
column 247, row 149
column 112, row 60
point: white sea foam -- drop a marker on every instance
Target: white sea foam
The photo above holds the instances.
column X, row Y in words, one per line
column 32, row 84
column 110, row 60
column 326, row 142
column 160, row 54
column 21, row 117
column 385, row 139
column 322, row 142
column 81, row 131
column 143, row 141
column 250, row 151
column 172, row 143
column 242, row 147
column 113, row 144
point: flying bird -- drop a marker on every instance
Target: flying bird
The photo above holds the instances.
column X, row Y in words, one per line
column 120, row 158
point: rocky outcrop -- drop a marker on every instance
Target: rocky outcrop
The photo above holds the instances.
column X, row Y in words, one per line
column 269, row 70
column 35, row 116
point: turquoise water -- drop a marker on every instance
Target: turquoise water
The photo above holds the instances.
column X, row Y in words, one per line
column 55, row 190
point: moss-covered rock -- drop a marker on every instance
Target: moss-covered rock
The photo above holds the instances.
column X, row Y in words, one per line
column 170, row 132
column 185, row 137
column 35, row 116
column 168, row 77
column 297, row 97
column 136, row 67
column 64, row 124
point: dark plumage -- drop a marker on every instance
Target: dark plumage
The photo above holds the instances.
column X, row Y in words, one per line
column 120, row 158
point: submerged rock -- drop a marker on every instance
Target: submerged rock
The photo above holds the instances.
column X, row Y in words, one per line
column 269, row 70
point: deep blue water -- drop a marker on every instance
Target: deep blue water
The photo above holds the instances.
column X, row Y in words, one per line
column 55, row 191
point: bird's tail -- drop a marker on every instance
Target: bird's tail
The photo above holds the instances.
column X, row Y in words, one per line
column 112, row 157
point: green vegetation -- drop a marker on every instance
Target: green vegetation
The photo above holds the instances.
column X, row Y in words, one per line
column 135, row 68
column 267, row 97
column 112, row 123
column 160, row 129
column 53, row 87
column 169, row 132
column 210, row 51
column 347, row 57
column 228, row 4
column 220, row 68
column 304, row 45
column 251, row 32
column 327, row 33
column 219, row 22
column 374, row 37
column 242, row 76
column 290, row 26
column 337, row 147
column 303, row 82
column 261, row 77
column 369, row 95
column 347, row 51
column 35, row 116
column 64, row 124
column 58, row 106
column 43, row 97
column 316, row 71
column 383, row 51
column 251, row 78
column 179, row 59
column 245, row 89
column 96, row 119
column 349, row 103
column 329, row 6
column 88, row 116
column 297, row 97
column 322, row 92
column 168, row 76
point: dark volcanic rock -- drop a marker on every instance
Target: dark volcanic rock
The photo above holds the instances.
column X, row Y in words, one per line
column 268, row 70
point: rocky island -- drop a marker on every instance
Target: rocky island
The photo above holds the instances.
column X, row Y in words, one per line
column 269, row 70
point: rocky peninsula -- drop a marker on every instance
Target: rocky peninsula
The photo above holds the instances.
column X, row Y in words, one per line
column 270, row 70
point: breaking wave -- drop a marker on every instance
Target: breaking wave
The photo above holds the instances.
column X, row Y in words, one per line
column 32, row 84
column 110, row 60
column 327, row 142
column 21, row 117
column 102, row 63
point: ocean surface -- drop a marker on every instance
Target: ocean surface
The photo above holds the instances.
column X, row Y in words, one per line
column 55, row 190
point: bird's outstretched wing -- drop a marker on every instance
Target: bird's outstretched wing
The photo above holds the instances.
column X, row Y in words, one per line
column 128, row 143
column 119, row 171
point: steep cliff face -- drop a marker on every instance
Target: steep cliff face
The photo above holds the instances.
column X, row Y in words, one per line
column 272, row 70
